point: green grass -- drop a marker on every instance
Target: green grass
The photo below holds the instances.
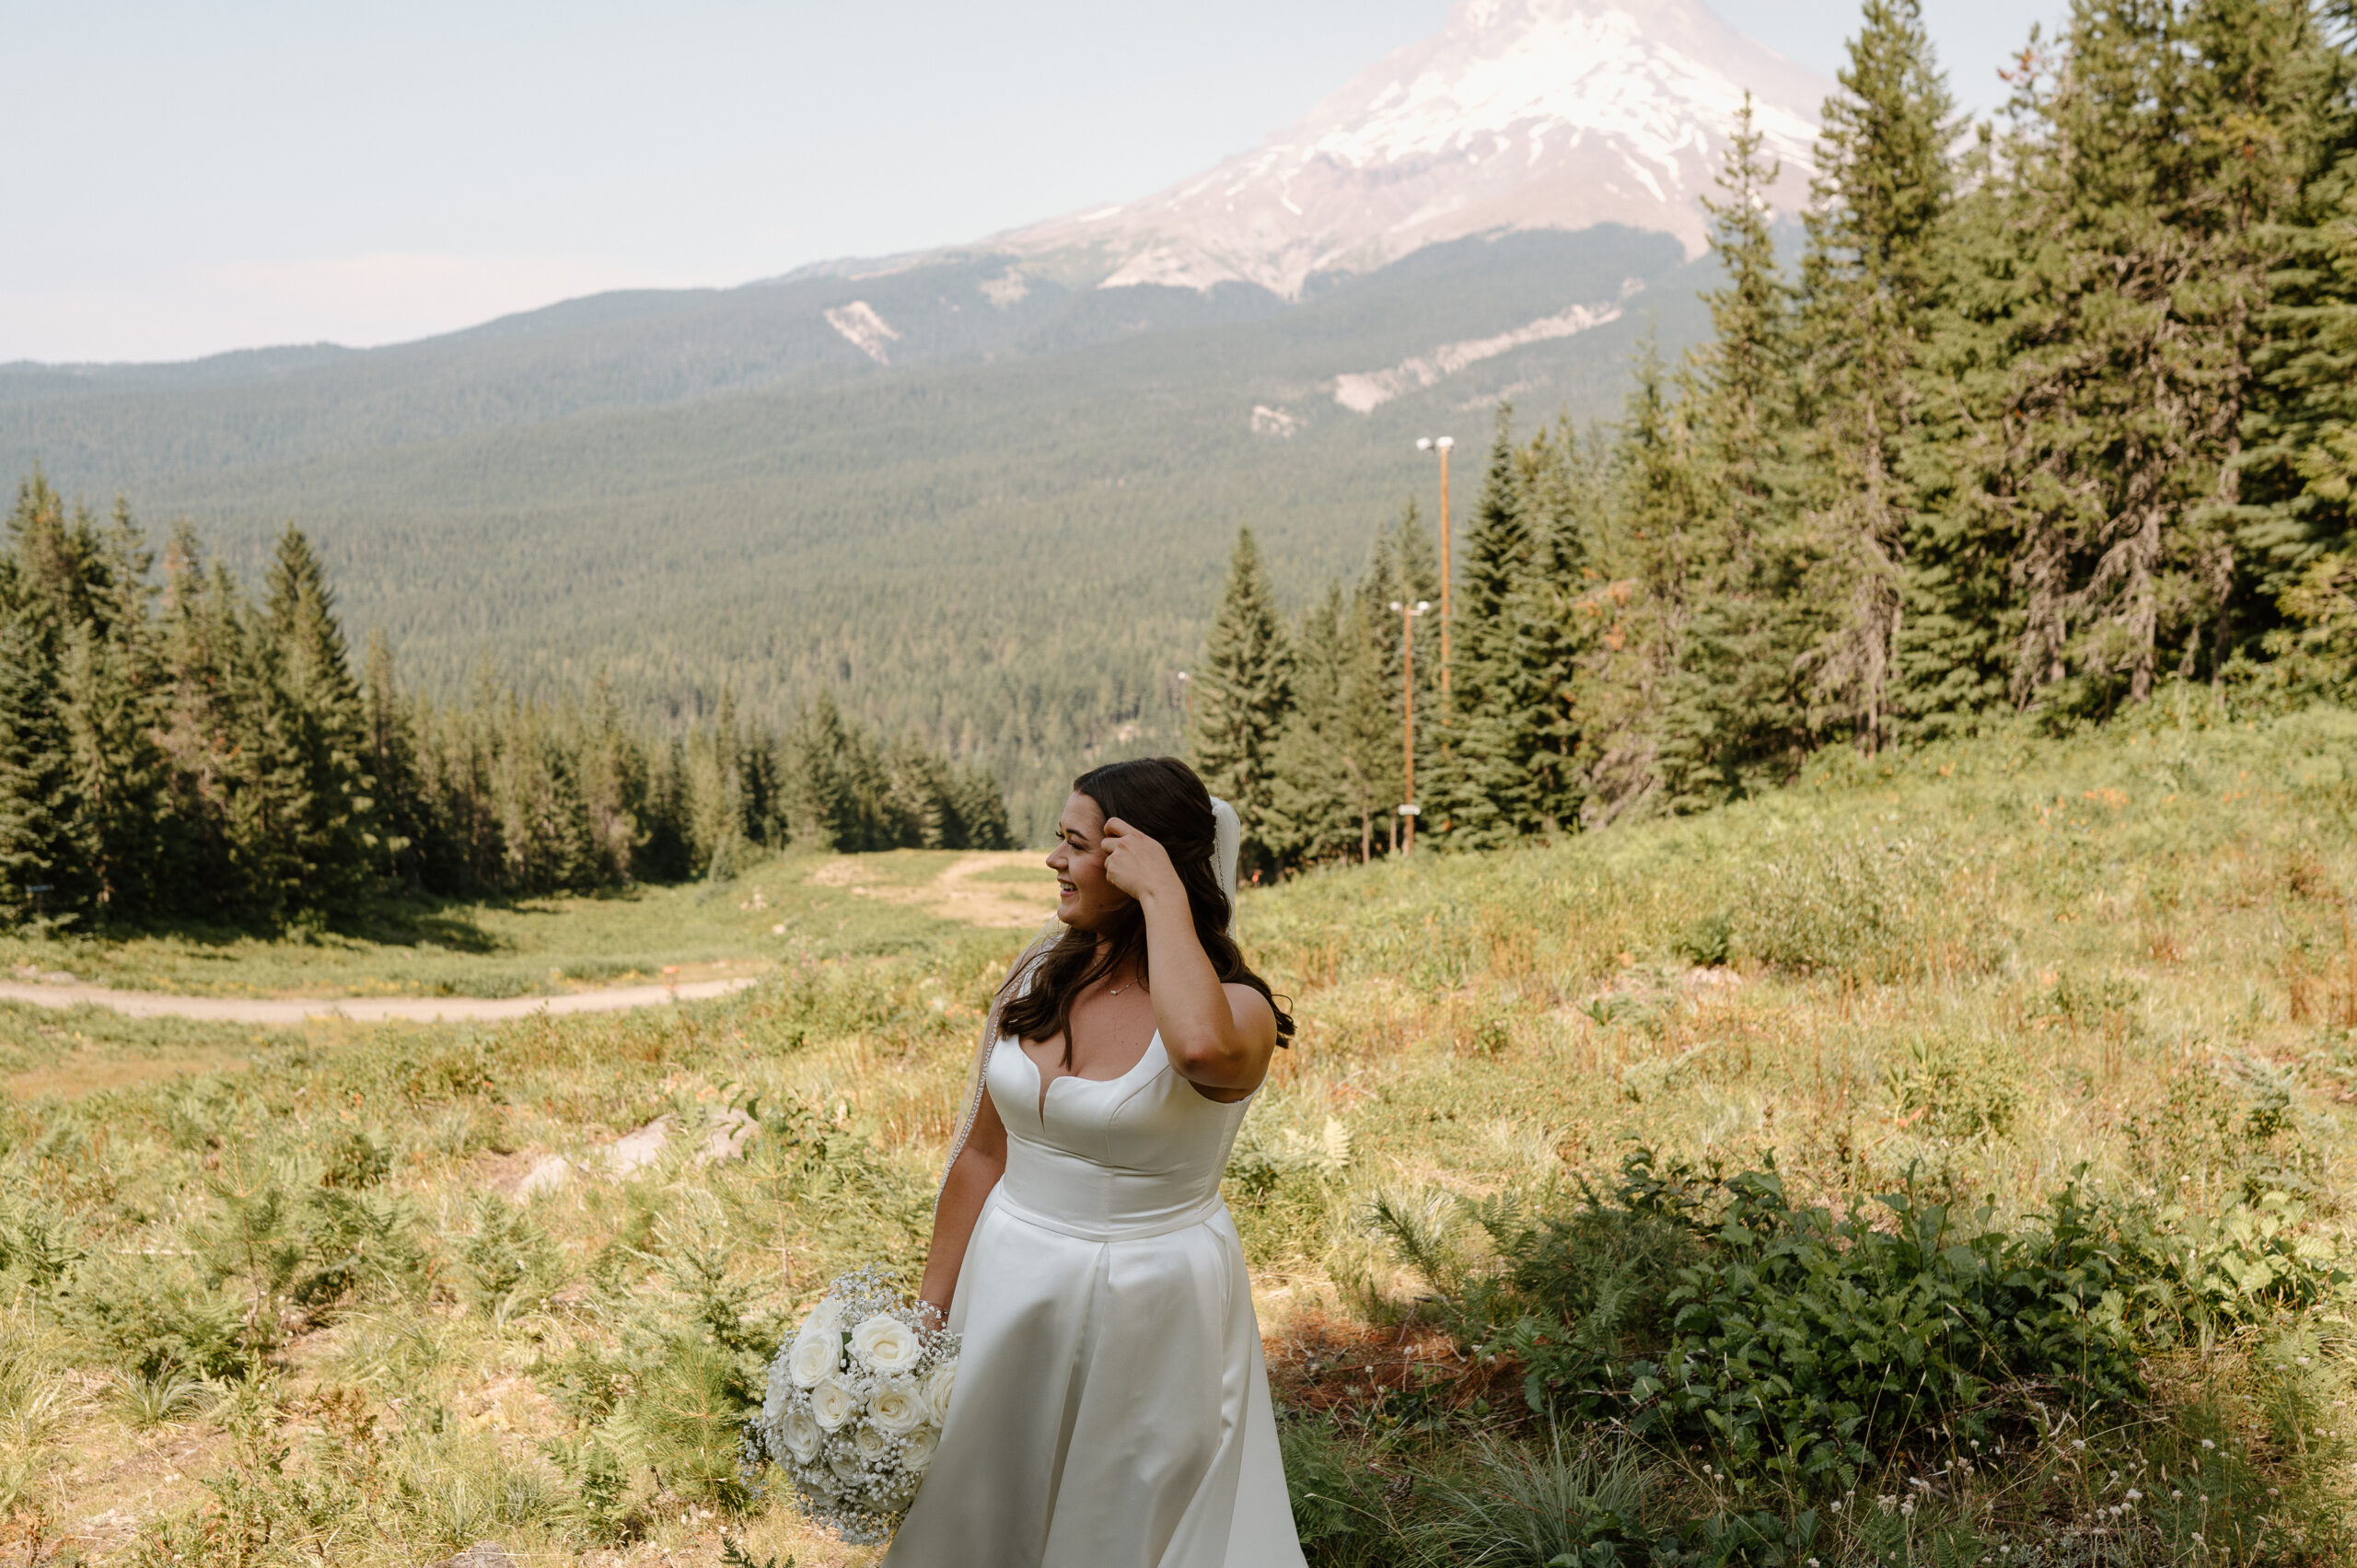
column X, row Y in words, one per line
column 432, row 947
column 1981, row 971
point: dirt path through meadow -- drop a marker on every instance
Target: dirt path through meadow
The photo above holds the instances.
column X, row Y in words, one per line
column 957, row 893
column 361, row 1009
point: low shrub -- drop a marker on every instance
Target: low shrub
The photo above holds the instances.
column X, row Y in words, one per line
column 1714, row 1310
column 1880, row 908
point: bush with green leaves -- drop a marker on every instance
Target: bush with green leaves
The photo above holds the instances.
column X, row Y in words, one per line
column 1714, row 1311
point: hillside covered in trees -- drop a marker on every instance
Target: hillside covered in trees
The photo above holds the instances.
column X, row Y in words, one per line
column 2043, row 417
column 1004, row 541
column 176, row 750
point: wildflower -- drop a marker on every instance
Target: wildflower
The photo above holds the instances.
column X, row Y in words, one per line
column 2134, row 1495
column 2207, row 1443
column 2078, row 1442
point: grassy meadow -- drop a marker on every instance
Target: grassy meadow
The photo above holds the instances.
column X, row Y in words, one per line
column 1946, row 1160
column 786, row 909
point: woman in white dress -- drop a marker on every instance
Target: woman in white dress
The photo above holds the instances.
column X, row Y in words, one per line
column 1112, row 1408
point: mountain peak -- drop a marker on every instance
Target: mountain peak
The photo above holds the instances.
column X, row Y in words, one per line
column 1517, row 114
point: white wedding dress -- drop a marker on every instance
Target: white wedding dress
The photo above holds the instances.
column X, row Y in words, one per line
column 1112, row 1408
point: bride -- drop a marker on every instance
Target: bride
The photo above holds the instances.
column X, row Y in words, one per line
column 1112, row 1409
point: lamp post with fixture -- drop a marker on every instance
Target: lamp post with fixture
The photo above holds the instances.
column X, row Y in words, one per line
column 1442, row 444
column 1409, row 810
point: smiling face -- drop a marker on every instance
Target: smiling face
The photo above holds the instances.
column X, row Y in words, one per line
column 1085, row 900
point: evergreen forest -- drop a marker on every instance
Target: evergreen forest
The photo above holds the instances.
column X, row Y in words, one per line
column 2047, row 414
column 174, row 749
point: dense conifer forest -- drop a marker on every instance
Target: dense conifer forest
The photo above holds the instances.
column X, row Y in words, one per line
column 2049, row 413
column 177, row 750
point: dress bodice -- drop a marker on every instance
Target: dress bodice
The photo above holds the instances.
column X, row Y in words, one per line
column 1111, row 1157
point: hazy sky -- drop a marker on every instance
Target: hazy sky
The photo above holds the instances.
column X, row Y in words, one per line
column 187, row 179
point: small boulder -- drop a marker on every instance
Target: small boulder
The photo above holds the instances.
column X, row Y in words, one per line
column 482, row 1554
column 546, row 1176
column 636, row 1151
column 732, row 1128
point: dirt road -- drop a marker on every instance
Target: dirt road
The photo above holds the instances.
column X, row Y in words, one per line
column 361, row 1009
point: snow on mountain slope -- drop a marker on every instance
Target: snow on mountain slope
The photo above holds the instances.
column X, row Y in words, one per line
column 1517, row 114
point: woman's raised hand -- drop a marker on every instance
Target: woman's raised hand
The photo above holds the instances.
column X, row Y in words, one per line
column 1138, row 864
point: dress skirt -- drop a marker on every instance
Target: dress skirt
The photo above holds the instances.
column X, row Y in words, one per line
column 1112, row 1406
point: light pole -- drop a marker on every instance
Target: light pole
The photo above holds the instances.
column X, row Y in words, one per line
column 1409, row 810
column 1441, row 444
column 1187, row 692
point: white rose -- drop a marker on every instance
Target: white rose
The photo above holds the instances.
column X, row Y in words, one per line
column 825, row 1318
column 845, row 1464
column 868, row 1442
column 831, row 1404
column 887, row 1344
column 802, row 1434
column 938, row 1386
column 916, row 1451
column 813, row 1356
column 897, row 1407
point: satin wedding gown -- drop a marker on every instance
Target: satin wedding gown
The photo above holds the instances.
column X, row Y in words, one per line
column 1112, row 1408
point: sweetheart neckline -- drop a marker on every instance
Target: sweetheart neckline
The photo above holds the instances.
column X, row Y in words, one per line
column 1047, row 1083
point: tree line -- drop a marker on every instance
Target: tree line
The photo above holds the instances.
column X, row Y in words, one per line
column 2052, row 411
column 172, row 748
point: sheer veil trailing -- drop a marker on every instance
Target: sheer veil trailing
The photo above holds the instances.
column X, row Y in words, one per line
column 1226, row 844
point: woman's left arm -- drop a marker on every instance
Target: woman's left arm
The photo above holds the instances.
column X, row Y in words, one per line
column 1219, row 1037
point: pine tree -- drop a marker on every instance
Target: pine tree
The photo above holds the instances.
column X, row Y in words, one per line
column 1560, row 495
column 1638, row 607
column 2288, row 93
column 1734, row 718
column 335, row 838
column 1318, row 804
column 392, row 761
column 1246, row 696
column 109, row 700
column 1870, row 276
column 1482, row 782
column 44, row 867
column 267, row 759
column 613, row 775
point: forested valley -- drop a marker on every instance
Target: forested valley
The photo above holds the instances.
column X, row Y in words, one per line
column 2048, row 417
column 179, row 751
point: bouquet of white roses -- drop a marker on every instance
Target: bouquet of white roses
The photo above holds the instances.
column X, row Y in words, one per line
column 856, row 1403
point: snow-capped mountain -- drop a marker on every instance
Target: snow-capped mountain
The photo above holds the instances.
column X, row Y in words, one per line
column 1519, row 114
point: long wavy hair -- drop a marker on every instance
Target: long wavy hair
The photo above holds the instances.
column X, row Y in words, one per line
column 1161, row 797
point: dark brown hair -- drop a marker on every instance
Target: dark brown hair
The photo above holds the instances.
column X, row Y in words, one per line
column 1161, row 797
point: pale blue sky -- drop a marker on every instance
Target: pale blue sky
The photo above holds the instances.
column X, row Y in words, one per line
column 186, row 179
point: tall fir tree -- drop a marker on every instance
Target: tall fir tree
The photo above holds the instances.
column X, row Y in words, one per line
column 335, row 837
column 1321, row 805
column 1871, row 277
column 1639, row 607
column 1493, row 775
column 1246, row 690
column 1733, row 715
column 44, row 865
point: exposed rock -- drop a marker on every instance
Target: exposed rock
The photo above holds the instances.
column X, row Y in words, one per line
column 635, row 1151
column 546, row 1176
column 730, row 1130
column 482, row 1554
